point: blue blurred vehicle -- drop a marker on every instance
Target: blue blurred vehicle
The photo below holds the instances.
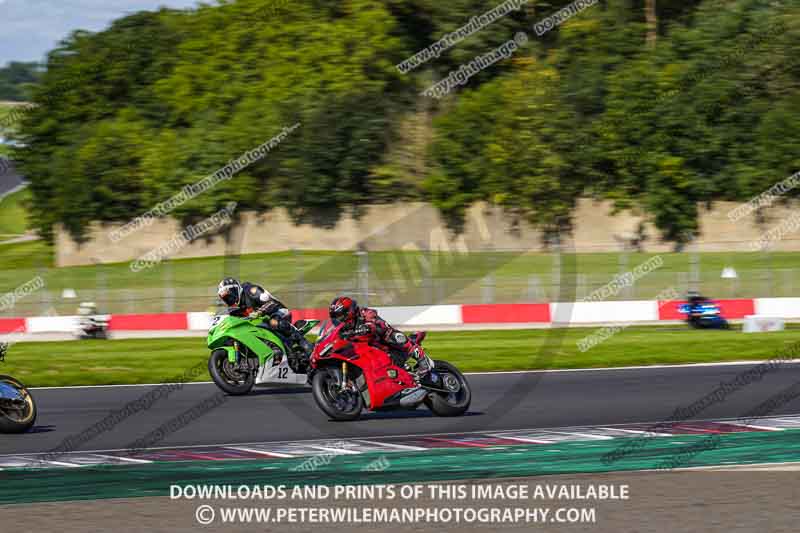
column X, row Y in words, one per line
column 702, row 313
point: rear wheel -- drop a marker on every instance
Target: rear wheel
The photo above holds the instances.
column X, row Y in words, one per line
column 341, row 405
column 456, row 400
column 17, row 416
column 228, row 376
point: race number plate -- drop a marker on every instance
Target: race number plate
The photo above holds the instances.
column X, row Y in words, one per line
column 279, row 373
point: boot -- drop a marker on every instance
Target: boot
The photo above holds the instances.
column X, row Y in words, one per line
column 422, row 363
column 302, row 342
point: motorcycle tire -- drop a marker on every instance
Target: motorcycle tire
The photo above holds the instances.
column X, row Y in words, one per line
column 321, row 389
column 10, row 425
column 446, row 406
column 215, row 367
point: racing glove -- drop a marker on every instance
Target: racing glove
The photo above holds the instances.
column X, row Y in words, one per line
column 358, row 331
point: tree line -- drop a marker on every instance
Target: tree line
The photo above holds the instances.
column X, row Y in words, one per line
column 17, row 79
column 660, row 106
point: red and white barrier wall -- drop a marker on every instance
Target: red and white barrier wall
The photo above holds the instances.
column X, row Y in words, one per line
column 559, row 314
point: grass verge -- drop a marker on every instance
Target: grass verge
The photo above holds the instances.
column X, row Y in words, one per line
column 14, row 214
column 157, row 360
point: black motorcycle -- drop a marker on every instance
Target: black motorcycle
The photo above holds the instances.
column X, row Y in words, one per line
column 17, row 408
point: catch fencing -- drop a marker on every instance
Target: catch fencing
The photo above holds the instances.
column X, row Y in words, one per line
column 311, row 279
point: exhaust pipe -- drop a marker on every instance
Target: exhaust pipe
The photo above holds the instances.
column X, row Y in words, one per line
column 414, row 398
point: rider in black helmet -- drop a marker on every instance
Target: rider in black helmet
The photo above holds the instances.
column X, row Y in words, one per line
column 252, row 301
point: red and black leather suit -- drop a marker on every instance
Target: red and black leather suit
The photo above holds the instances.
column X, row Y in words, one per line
column 369, row 327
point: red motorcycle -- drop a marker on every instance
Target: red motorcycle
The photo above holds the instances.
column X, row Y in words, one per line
column 349, row 376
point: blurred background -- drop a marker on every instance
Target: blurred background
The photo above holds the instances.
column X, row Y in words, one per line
column 658, row 116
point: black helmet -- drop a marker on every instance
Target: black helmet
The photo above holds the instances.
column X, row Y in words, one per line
column 230, row 291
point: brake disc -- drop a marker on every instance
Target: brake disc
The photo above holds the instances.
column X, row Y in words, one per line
column 451, row 383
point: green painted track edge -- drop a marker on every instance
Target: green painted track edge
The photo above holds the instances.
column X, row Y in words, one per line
column 24, row 485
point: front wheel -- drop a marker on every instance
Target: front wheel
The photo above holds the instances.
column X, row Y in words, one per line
column 340, row 405
column 18, row 415
column 227, row 376
column 455, row 401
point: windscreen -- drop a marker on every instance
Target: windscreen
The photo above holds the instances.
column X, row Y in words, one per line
column 326, row 330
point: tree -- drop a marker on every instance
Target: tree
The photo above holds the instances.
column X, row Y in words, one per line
column 17, row 79
column 124, row 118
column 652, row 22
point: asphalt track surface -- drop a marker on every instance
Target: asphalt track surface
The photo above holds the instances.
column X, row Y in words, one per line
column 501, row 401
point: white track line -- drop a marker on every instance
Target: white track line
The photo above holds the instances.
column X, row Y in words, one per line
column 121, row 385
column 261, row 452
column 641, row 432
column 523, row 439
column 393, row 445
column 60, row 463
column 791, row 421
column 499, row 372
column 639, row 367
column 586, row 435
column 130, row 459
column 339, row 451
column 766, row 428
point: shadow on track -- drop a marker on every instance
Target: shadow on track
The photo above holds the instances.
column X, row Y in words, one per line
column 42, row 429
column 274, row 392
column 400, row 414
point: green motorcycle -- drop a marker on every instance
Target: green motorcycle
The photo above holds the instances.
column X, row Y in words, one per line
column 244, row 354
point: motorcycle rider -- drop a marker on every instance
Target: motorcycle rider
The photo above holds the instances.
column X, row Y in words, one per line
column 253, row 301
column 364, row 324
column 695, row 298
column 91, row 325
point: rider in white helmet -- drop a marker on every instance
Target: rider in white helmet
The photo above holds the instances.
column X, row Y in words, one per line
column 253, row 301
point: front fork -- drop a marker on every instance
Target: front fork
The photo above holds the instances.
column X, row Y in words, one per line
column 343, row 385
column 242, row 364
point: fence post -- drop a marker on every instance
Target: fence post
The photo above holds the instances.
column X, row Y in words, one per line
column 682, row 282
column 487, row 289
column 300, row 286
column 770, row 284
column 787, row 283
column 45, row 299
column 130, row 306
column 427, row 266
column 555, row 280
column 624, row 261
column 694, row 264
column 533, row 288
column 169, row 288
column 362, row 277
column 101, row 287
